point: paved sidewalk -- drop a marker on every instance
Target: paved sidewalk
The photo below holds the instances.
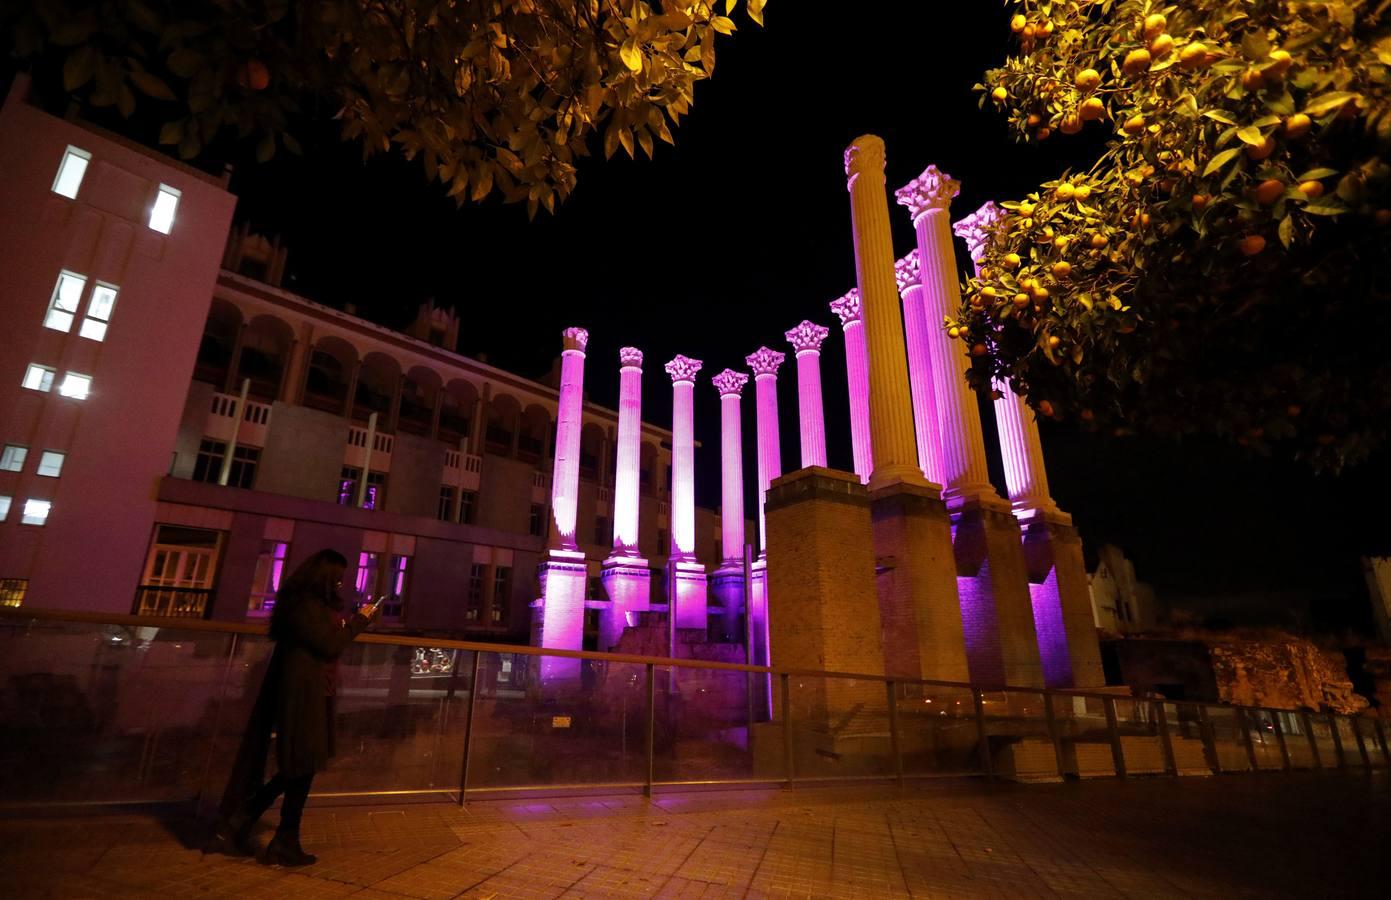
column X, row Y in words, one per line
column 1321, row 834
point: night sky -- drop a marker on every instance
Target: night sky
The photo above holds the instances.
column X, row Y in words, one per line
column 742, row 230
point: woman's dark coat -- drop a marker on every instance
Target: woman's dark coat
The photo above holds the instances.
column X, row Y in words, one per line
column 296, row 698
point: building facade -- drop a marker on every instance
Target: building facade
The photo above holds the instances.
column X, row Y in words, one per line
column 179, row 432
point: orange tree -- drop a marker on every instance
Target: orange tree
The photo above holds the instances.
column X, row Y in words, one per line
column 493, row 96
column 1225, row 267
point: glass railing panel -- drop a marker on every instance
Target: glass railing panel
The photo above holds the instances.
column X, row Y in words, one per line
column 553, row 721
column 1322, row 729
column 1296, row 739
column 1084, row 735
column 706, row 729
column 840, row 727
column 1371, row 740
column 1229, row 738
column 1016, row 726
column 1347, row 736
column 937, row 730
column 1186, row 738
column 1265, row 744
column 1141, row 745
column 106, row 713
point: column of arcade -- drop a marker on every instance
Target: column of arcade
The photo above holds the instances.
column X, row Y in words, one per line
column 688, row 591
column 626, row 576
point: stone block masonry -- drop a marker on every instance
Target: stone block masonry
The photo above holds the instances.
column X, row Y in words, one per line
column 1067, row 642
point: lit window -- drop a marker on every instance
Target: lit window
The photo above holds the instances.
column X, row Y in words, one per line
column 5, row 502
column 12, row 457
column 12, row 591
column 502, row 593
column 398, row 578
column 51, row 463
column 475, row 593
column 99, row 312
column 70, row 172
column 35, row 512
column 38, row 378
column 270, row 566
column 62, row 306
column 75, row 386
column 366, row 581
column 162, row 213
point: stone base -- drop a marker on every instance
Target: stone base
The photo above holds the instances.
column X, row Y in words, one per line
column 1067, row 638
column 564, row 577
column 628, row 583
column 920, row 613
column 727, row 591
column 997, row 614
column 690, row 595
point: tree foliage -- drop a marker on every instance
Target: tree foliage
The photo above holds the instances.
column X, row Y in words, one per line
column 1225, row 267
column 494, row 96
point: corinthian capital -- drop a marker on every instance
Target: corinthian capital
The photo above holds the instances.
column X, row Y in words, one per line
column 976, row 228
column 933, row 189
column 848, row 308
column 906, row 272
column 807, row 336
column 765, row 361
column 683, row 368
column 576, row 339
column 730, row 383
column 864, row 155
column 630, row 357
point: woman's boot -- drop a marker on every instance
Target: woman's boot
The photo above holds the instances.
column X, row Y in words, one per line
column 284, row 850
column 234, row 833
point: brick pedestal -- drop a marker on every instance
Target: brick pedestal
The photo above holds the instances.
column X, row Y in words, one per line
column 997, row 613
column 1067, row 641
column 918, row 606
column 628, row 584
column 727, row 590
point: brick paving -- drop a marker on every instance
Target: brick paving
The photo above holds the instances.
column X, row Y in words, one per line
column 1298, row 835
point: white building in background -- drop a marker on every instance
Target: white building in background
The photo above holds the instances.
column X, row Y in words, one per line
column 1378, row 572
column 1120, row 601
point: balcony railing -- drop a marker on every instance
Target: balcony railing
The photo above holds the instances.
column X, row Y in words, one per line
column 175, row 602
column 100, row 709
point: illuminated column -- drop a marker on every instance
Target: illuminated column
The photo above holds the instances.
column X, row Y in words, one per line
column 1020, row 445
column 690, row 588
column 764, row 363
column 563, row 574
column 625, row 486
column 890, row 400
column 915, row 329
column 626, row 576
column 857, row 372
column 928, row 197
column 727, row 582
column 806, row 339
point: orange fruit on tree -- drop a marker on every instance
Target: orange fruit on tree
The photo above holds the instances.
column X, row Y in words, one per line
column 1087, row 80
column 1033, row 120
column 1029, row 33
column 1071, row 124
column 1383, row 217
column 979, row 350
column 1099, row 241
column 1252, row 80
column 1194, row 56
column 1280, row 62
column 1092, row 109
column 1017, row 24
column 253, row 75
column 1021, row 301
column 1043, row 133
column 1062, row 268
column 1000, row 95
column 1066, row 191
column 1044, row 406
column 1268, row 191
column 1200, row 202
column 1134, row 125
column 1252, row 244
column 1162, row 46
column 1258, row 152
column 1137, row 62
column 1087, row 415
column 1054, row 341
column 1155, row 25
column 1312, row 189
column 1083, row 191
column 1011, row 261
column 1293, row 410
column 1297, row 125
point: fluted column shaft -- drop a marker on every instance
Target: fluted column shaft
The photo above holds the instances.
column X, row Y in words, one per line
column 915, row 328
column 765, row 365
column 857, row 378
column 890, row 400
column 730, row 385
column 565, row 481
column 629, row 462
column 806, row 340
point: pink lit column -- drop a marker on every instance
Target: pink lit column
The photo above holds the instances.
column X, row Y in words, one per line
column 857, row 372
column 890, row 398
column 915, row 328
column 690, row 593
column 563, row 574
column 764, row 363
column 627, row 579
column 727, row 582
column 963, row 471
column 806, row 340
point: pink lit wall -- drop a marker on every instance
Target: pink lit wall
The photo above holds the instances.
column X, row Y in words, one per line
column 806, row 340
column 683, row 372
column 565, row 485
column 731, row 386
column 119, row 440
column 765, row 363
column 857, row 368
column 626, row 476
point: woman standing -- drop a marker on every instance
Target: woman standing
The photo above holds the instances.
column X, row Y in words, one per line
column 296, row 702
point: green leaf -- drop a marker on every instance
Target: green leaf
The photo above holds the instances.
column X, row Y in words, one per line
column 631, row 55
column 152, row 86
column 1317, row 174
column 722, row 24
column 1221, row 160
column 1287, row 231
column 172, row 132
column 756, row 10
column 1327, row 103
column 291, row 143
column 1218, row 115
column 1251, row 135
column 78, row 68
column 1326, row 206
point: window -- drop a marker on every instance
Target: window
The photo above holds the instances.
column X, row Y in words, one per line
column 347, row 485
column 468, row 507
column 270, row 566
column 445, row 511
column 474, row 609
column 35, row 512
column 375, row 497
column 179, row 572
column 162, row 213
column 12, row 591
column 372, row 498
column 244, row 463
column 366, row 582
column 536, row 525
column 12, row 457
column 62, row 306
column 38, row 378
column 502, row 593
column 5, row 502
column 75, row 386
column 51, row 463
column 70, row 172
column 99, row 312
column 398, row 580
column 208, row 466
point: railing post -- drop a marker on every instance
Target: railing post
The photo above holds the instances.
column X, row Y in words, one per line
column 789, row 758
column 1309, row 736
column 1205, row 729
column 1245, row 723
column 1117, row 751
column 1166, row 740
column 1361, row 744
column 893, row 732
column 651, row 691
column 1050, row 716
column 1381, row 739
column 468, row 723
column 987, row 764
column 1280, row 739
column 1337, row 740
